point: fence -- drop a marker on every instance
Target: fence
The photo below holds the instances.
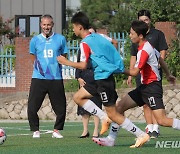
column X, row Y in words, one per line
column 7, row 60
column 7, row 72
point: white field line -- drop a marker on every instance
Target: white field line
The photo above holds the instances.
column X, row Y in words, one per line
column 27, row 134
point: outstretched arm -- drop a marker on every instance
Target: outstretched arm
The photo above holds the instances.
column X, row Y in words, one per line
column 132, row 72
column 64, row 61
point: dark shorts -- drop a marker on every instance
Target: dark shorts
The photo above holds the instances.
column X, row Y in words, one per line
column 150, row 94
column 105, row 88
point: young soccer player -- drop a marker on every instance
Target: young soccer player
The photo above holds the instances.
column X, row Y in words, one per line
column 105, row 61
column 150, row 91
column 157, row 39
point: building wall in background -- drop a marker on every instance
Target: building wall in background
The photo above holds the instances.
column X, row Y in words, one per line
column 73, row 4
column 10, row 8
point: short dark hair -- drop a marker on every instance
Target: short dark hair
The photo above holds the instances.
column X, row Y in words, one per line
column 82, row 19
column 144, row 13
column 47, row 16
column 140, row 27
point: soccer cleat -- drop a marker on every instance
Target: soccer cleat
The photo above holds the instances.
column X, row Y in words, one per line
column 105, row 126
column 154, row 134
column 56, row 134
column 36, row 134
column 148, row 132
column 104, row 141
column 140, row 141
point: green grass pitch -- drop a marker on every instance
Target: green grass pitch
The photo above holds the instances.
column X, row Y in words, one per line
column 20, row 141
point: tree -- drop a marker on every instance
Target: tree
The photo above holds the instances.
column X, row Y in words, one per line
column 114, row 15
column 5, row 30
column 161, row 10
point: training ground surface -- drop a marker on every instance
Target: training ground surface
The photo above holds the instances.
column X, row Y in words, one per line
column 20, row 141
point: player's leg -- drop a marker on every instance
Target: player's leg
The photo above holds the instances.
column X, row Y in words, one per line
column 96, row 126
column 148, row 118
column 85, row 121
column 109, row 96
column 82, row 98
column 97, row 100
column 147, row 112
column 124, row 104
column 152, row 95
column 36, row 97
column 58, row 102
column 155, row 132
column 163, row 120
column 125, row 123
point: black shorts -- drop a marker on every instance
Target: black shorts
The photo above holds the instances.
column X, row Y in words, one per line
column 150, row 94
column 105, row 88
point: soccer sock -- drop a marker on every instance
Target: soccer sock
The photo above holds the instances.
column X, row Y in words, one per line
column 176, row 124
column 130, row 127
column 149, row 128
column 114, row 131
column 156, row 128
column 94, row 109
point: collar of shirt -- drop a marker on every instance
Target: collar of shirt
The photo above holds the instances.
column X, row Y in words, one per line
column 141, row 46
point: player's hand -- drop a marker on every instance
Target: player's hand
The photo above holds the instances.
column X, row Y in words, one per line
column 81, row 82
column 62, row 60
column 129, row 81
column 171, row 79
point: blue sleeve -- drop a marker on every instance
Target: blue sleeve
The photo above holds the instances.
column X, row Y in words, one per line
column 64, row 46
column 32, row 49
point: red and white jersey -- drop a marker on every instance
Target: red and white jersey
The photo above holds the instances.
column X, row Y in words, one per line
column 148, row 63
column 85, row 52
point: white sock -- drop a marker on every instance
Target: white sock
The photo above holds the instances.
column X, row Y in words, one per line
column 156, row 128
column 130, row 127
column 176, row 124
column 149, row 128
column 94, row 109
column 114, row 129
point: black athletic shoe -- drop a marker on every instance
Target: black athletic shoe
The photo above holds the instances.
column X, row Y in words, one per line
column 149, row 133
column 154, row 134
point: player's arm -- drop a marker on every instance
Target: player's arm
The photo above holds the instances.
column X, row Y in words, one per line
column 132, row 63
column 85, row 53
column 32, row 50
column 163, row 54
column 32, row 57
column 64, row 61
column 132, row 72
column 115, row 43
column 139, row 64
column 165, row 68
